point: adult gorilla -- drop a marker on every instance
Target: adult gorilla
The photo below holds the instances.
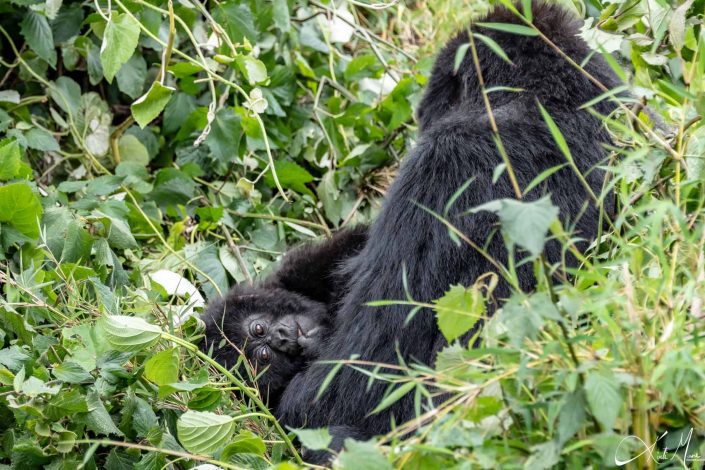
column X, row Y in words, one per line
column 456, row 144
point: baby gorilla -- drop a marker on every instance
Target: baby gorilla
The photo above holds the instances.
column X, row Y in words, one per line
column 281, row 324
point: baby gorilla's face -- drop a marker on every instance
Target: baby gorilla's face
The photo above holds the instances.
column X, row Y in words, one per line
column 278, row 331
column 268, row 337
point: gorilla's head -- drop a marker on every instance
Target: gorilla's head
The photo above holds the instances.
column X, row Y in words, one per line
column 277, row 330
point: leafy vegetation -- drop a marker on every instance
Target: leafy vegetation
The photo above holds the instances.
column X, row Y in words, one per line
column 156, row 152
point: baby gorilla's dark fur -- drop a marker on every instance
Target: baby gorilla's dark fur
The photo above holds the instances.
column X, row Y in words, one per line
column 281, row 324
column 456, row 144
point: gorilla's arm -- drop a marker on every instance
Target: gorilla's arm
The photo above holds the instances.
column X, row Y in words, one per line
column 312, row 269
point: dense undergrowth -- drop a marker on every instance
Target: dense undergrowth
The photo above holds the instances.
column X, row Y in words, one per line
column 154, row 153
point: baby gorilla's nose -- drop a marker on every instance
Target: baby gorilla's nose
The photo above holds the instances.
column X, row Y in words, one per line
column 283, row 339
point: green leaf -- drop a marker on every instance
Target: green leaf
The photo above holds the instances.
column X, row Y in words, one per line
column 237, row 20
column 66, row 93
column 571, row 416
column 524, row 223
column 119, row 43
column 37, row 33
column 460, row 53
column 132, row 150
column 291, row 175
column 459, row 310
column 245, row 442
column 132, row 75
column 163, row 367
column 676, row 28
column 150, row 105
column 202, row 432
column 129, row 334
column 20, row 207
column 603, row 397
column 98, row 419
column 225, row 135
column 362, row 456
column 496, row 48
column 78, row 244
column 394, row 396
column 280, row 15
column 39, row 139
column 70, row 372
column 254, row 69
column 11, row 164
column 511, row 28
column 314, row 439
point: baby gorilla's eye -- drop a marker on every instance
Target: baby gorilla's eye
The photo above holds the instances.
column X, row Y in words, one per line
column 258, row 329
column 264, row 355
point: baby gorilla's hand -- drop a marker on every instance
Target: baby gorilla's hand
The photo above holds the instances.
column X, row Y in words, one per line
column 311, row 342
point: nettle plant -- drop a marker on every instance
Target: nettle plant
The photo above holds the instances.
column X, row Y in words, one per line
column 156, row 151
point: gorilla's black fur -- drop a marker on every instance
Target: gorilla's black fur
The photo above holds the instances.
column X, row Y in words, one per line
column 455, row 145
column 300, row 297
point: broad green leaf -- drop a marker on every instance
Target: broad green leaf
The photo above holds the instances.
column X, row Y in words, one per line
column 280, row 15
column 604, row 397
column 66, row 93
column 524, row 223
column 225, row 135
column 151, row 104
column 132, row 75
column 245, row 442
column 254, row 69
column 37, row 33
column 291, row 175
column 20, row 207
column 163, row 367
column 237, row 20
column 676, row 28
column 98, row 419
column 132, row 150
column 9, row 96
column 459, row 310
column 119, row 43
column 314, row 439
column 202, row 432
column 77, row 246
column 571, row 416
column 510, row 28
column 11, row 164
column 39, row 139
column 129, row 334
column 70, row 372
column 362, row 456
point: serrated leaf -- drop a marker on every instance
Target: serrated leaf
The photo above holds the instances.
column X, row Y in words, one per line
column 676, row 28
column 571, row 416
column 20, row 207
column 314, row 439
column 37, row 33
column 603, row 396
column 70, row 372
column 151, row 104
column 163, row 367
column 11, row 164
column 119, row 43
column 98, row 419
column 202, row 432
column 129, row 334
column 459, row 310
